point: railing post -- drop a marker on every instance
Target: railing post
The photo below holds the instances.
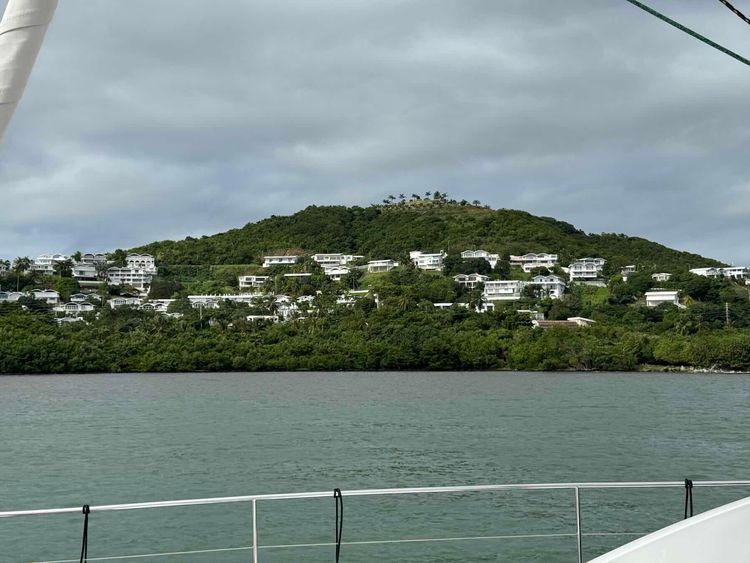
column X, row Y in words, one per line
column 255, row 533
column 579, row 543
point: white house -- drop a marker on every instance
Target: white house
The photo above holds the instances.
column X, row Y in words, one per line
column 137, row 278
column 585, row 269
column 269, row 261
column 626, row 271
column 45, row 263
column 336, row 273
column 117, row 302
column 656, row 297
column 736, row 272
column 73, row 309
column 84, row 271
column 300, row 275
column 571, row 322
column 335, row 259
column 661, row 276
column 10, row 296
column 158, row 305
column 49, row 296
column 707, row 272
column 379, row 266
column 427, row 261
column 143, row 262
column 503, row 290
column 78, row 298
column 252, row 282
column 212, row 301
column 550, row 286
column 470, row 281
column 92, row 258
column 532, row 260
column 491, row 258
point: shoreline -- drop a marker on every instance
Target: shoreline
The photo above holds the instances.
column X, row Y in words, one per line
column 646, row 368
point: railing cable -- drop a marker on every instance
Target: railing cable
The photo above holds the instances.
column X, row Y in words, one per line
column 689, row 31
column 339, row 501
column 85, row 539
column 737, row 13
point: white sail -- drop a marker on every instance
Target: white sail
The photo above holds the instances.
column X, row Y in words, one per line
column 22, row 31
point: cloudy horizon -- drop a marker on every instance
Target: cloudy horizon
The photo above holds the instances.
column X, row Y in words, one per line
column 160, row 120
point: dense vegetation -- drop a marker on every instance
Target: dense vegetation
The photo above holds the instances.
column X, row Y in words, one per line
column 404, row 332
column 391, row 231
column 402, row 329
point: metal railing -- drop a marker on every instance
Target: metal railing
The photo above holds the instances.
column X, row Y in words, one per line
column 254, row 499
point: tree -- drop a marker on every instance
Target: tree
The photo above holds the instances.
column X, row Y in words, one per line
column 63, row 269
column 118, row 258
column 21, row 265
column 77, row 256
column 502, row 268
column 67, row 287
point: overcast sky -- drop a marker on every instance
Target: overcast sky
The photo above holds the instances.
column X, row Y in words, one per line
column 153, row 119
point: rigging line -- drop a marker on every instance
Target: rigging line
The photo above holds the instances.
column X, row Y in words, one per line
column 737, row 13
column 690, row 32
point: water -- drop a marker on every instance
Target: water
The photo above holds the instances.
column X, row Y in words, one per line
column 70, row 440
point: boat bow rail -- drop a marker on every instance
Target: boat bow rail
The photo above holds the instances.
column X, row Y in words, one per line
column 253, row 500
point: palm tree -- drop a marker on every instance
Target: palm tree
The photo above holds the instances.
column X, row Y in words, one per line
column 21, row 265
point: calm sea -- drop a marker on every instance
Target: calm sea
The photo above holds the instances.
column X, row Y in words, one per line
column 70, row 440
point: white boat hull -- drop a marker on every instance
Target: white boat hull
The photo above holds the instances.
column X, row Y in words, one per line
column 719, row 535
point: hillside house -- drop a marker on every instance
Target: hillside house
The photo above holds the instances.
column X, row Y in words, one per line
column 143, row 262
column 49, row 296
column 117, row 302
column 93, row 258
column 252, row 282
column 334, row 260
column 585, row 269
column 269, row 261
column 736, row 272
column 470, row 281
column 657, row 297
column 530, row 261
column 661, row 276
column 73, row 309
column 492, row 259
column 45, row 263
column 550, row 286
column 380, row 266
column 707, row 272
column 157, row 305
column 137, row 278
column 571, row 322
column 503, row 290
column 84, row 271
column 337, row 272
column 427, row 261
column 212, row 301
column 626, row 271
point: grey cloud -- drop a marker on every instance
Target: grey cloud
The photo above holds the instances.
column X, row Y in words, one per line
column 160, row 120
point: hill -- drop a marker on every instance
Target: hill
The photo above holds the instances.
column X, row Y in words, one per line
column 391, row 231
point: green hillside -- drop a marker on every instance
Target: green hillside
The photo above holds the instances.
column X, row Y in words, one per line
column 391, row 231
